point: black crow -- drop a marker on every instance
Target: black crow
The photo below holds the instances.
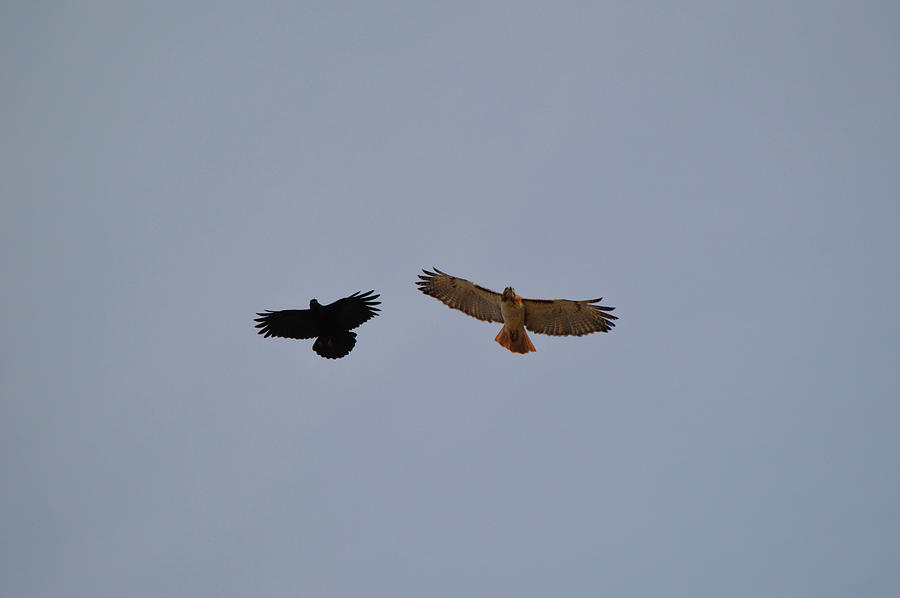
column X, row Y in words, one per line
column 329, row 324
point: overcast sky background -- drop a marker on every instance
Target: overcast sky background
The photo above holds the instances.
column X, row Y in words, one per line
column 724, row 173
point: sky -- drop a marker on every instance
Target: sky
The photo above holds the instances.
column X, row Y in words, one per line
column 723, row 173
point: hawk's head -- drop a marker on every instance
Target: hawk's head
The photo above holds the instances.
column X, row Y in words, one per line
column 509, row 294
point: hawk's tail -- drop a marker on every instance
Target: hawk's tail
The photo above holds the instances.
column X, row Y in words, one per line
column 516, row 341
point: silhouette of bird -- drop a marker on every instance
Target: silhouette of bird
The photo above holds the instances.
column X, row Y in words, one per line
column 559, row 317
column 329, row 324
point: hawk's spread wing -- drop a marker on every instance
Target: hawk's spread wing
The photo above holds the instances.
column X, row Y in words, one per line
column 461, row 294
column 352, row 311
column 288, row 323
column 561, row 317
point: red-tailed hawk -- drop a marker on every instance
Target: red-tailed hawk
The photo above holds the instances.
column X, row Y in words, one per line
column 329, row 324
column 559, row 317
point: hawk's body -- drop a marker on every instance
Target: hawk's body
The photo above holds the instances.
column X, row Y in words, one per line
column 559, row 317
column 512, row 335
column 329, row 324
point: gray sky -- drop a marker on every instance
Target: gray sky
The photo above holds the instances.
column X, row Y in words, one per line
column 723, row 173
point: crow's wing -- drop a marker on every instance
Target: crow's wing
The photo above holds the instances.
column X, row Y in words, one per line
column 350, row 312
column 288, row 323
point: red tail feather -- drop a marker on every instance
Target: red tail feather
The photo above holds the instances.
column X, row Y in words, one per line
column 516, row 341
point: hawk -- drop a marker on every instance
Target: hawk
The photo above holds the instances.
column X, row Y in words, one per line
column 559, row 317
column 329, row 324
